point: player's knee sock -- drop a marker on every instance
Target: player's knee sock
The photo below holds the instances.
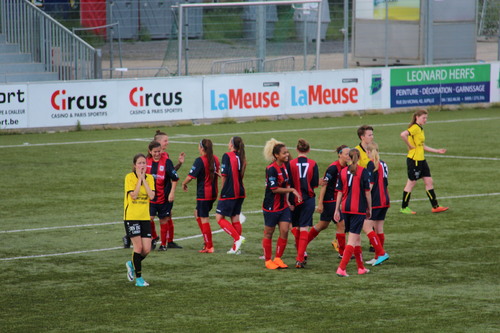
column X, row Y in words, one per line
column 312, row 234
column 381, row 237
column 296, row 235
column 153, row 230
column 303, row 241
column 229, row 229
column 170, row 231
column 198, row 219
column 358, row 254
column 406, row 199
column 267, row 246
column 207, row 235
column 341, row 241
column 375, row 242
column 280, row 247
column 163, row 233
column 347, row 256
column 137, row 261
column 237, row 227
column 432, row 198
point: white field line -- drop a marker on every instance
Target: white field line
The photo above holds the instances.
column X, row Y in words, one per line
column 382, row 153
column 180, row 136
column 183, row 238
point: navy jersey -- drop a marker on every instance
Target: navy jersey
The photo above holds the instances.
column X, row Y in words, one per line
column 304, row 177
column 276, row 177
column 206, row 189
column 331, row 176
column 164, row 173
column 231, row 170
column 353, row 188
column 379, row 179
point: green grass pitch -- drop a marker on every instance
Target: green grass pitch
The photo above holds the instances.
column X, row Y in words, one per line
column 62, row 265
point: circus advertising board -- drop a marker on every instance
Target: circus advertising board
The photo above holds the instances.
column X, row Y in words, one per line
column 70, row 104
column 13, row 106
column 325, row 91
column 243, row 95
column 437, row 85
column 163, row 99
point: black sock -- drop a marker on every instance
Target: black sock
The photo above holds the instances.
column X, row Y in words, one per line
column 406, row 199
column 432, row 198
column 137, row 264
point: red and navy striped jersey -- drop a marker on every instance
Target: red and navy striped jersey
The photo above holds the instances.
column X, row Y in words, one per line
column 164, row 174
column 379, row 179
column 353, row 188
column 331, row 176
column 206, row 189
column 304, row 177
column 231, row 169
column 276, row 177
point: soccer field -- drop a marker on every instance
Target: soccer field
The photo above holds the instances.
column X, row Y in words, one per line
column 63, row 265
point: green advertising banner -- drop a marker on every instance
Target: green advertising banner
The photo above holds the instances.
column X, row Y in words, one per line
column 419, row 86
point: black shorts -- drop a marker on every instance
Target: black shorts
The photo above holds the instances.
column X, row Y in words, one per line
column 231, row 207
column 354, row 223
column 203, row 207
column 328, row 211
column 161, row 210
column 138, row 228
column 302, row 215
column 417, row 169
column 378, row 214
column 271, row 219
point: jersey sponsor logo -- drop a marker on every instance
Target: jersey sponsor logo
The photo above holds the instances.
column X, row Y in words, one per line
column 240, row 99
column 60, row 101
column 319, row 95
column 137, row 97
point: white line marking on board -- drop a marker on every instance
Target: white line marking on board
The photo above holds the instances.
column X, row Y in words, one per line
column 183, row 238
column 27, row 144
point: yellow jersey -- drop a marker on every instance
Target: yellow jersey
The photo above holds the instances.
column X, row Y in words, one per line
column 363, row 157
column 138, row 209
column 416, row 139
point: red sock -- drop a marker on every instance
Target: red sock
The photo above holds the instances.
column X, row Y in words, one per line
column 280, row 247
column 303, row 241
column 358, row 254
column 200, row 224
column 347, row 256
column 312, row 234
column 170, row 231
column 153, row 229
column 207, row 235
column 267, row 245
column 341, row 242
column 163, row 233
column 237, row 227
column 296, row 235
column 375, row 242
column 228, row 227
column 381, row 237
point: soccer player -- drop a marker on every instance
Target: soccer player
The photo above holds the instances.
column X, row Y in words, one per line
column 162, row 169
column 275, row 206
column 414, row 138
column 365, row 134
column 354, row 200
column 304, row 177
column 232, row 193
column 205, row 169
column 162, row 138
column 328, row 197
column 374, row 227
column 139, row 189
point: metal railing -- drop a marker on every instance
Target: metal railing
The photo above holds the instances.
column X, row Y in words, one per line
column 48, row 41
